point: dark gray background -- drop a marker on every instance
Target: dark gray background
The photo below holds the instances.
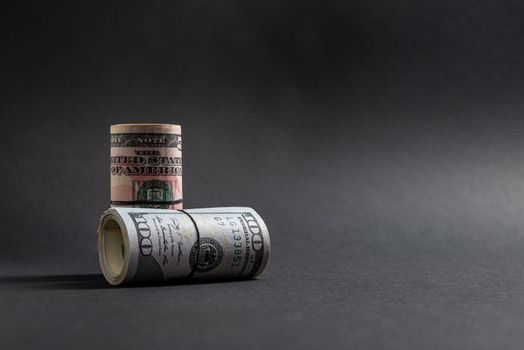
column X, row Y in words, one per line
column 380, row 140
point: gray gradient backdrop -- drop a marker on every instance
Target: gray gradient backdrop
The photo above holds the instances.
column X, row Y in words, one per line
column 380, row 140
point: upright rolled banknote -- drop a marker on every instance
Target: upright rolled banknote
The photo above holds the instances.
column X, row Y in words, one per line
column 146, row 166
column 140, row 245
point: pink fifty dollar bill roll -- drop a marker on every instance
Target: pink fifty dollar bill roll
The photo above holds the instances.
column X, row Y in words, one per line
column 146, row 166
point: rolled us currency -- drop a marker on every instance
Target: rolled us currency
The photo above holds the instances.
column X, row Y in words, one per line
column 140, row 245
column 146, row 166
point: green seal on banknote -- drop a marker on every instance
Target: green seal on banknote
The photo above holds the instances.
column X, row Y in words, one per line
column 157, row 194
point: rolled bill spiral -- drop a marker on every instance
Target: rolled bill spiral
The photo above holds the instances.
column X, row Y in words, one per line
column 141, row 245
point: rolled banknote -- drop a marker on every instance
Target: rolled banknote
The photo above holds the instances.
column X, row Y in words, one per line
column 146, row 166
column 139, row 245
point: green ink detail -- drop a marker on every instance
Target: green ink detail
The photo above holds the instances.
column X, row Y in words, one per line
column 155, row 191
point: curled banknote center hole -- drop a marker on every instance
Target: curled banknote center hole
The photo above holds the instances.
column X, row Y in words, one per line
column 114, row 252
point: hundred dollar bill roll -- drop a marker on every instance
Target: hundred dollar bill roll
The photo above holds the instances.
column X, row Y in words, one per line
column 140, row 245
column 146, row 166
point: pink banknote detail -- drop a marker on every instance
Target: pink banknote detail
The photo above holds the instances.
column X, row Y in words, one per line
column 146, row 170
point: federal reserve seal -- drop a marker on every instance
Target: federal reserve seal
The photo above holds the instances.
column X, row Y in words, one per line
column 155, row 191
column 206, row 254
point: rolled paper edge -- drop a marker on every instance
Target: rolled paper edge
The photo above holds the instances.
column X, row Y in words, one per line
column 123, row 277
column 145, row 127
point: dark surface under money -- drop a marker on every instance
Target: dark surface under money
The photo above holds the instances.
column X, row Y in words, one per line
column 367, row 288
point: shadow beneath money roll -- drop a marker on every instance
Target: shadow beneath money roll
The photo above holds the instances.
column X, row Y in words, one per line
column 71, row 281
column 95, row 281
column 183, row 282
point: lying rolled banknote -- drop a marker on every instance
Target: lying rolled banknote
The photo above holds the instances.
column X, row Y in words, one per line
column 139, row 245
column 146, row 166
